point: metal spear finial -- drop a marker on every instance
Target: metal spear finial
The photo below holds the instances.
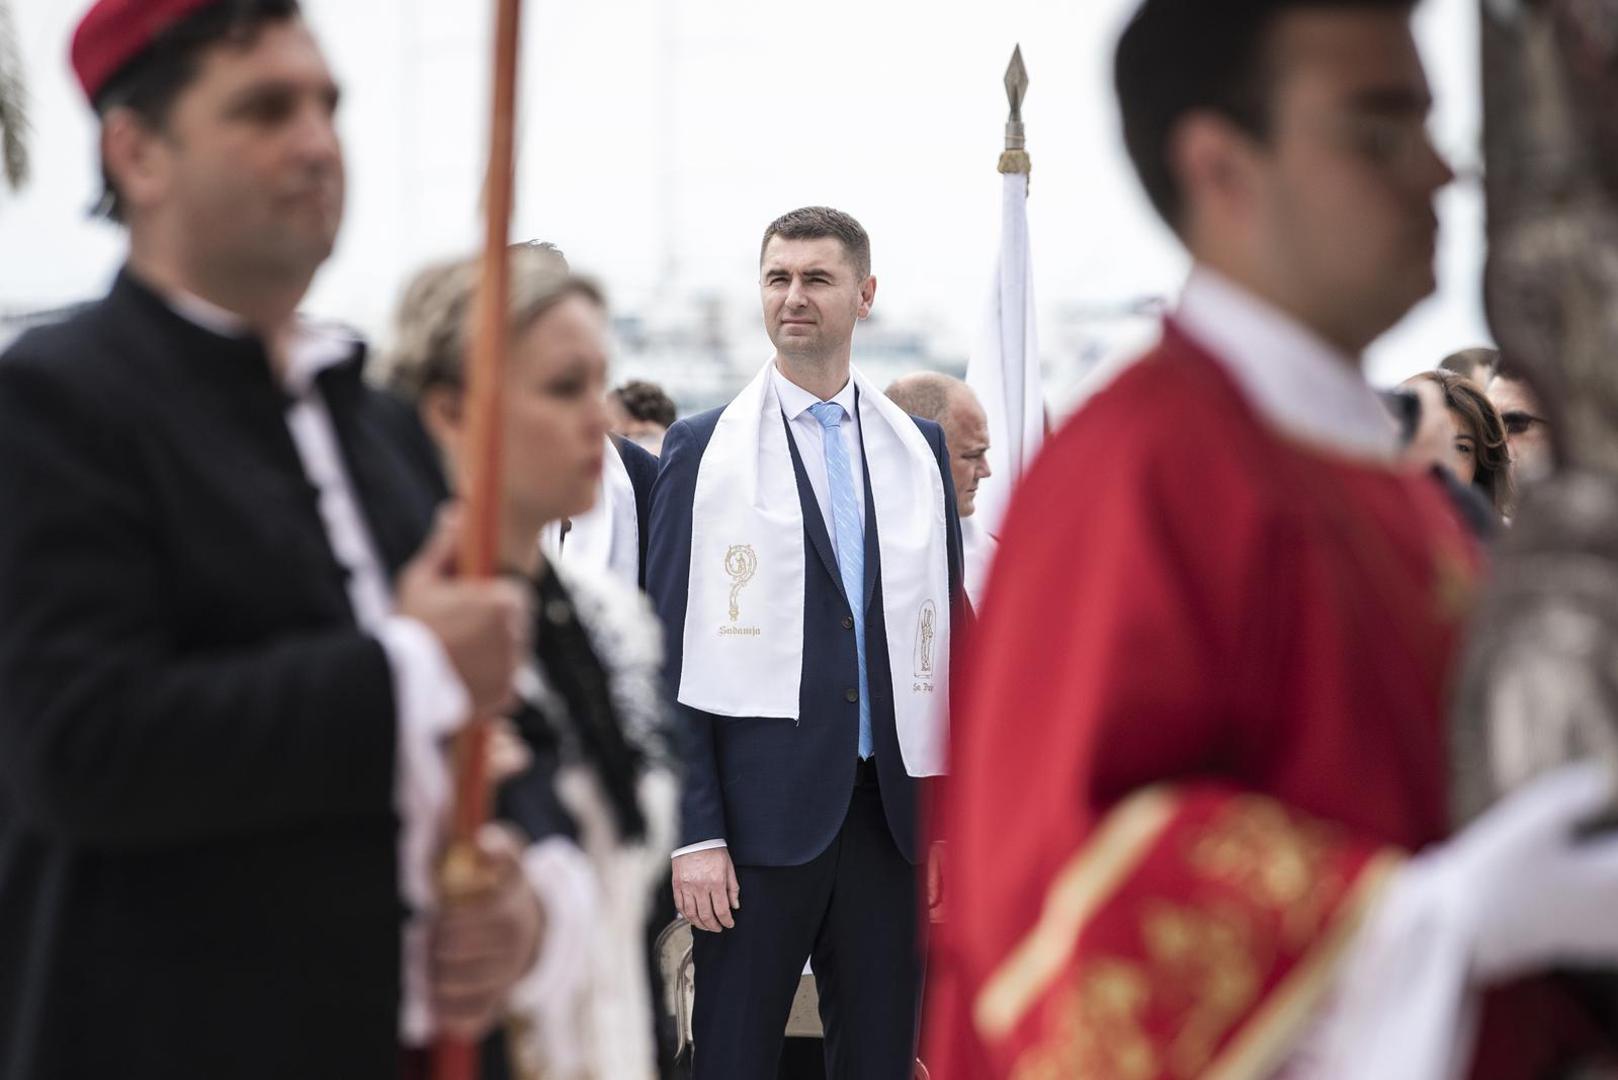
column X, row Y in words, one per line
column 1016, row 90
column 1015, row 159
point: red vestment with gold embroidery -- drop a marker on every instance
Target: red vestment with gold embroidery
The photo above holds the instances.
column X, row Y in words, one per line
column 1183, row 596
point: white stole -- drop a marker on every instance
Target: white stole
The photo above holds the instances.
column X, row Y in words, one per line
column 743, row 634
column 606, row 536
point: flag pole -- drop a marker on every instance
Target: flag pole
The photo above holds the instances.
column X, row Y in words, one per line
column 1014, row 160
column 462, row 872
column 1003, row 368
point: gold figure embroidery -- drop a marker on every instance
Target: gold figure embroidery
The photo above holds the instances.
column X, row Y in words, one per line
column 926, row 629
column 741, row 562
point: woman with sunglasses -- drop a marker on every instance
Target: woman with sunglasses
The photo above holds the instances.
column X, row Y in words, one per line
column 1528, row 433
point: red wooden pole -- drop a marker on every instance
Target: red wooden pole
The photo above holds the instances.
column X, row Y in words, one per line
column 456, row 1059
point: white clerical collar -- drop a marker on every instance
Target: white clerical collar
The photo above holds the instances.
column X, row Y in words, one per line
column 1296, row 380
column 795, row 400
column 313, row 348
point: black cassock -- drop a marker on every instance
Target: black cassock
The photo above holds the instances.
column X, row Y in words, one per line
column 197, row 835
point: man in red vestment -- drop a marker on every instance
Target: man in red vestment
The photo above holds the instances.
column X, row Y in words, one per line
column 1197, row 823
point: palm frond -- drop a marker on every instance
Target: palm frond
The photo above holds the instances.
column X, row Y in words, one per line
column 13, row 103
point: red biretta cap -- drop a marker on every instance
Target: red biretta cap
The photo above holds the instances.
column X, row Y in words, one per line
column 114, row 32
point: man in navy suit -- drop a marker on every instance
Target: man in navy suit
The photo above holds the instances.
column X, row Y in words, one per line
column 812, row 819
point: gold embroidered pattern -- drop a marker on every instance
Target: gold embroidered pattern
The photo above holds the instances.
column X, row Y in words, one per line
column 741, row 563
column 1276, row 861
column 1096, row 1029
column 1210, row 961
column 1080, row 889
column 1266, row 1036
column 1262, row 884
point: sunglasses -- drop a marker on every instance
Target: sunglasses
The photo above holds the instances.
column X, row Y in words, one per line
column 1518, row 422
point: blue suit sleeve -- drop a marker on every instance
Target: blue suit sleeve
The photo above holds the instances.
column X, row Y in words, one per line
column 668, row 572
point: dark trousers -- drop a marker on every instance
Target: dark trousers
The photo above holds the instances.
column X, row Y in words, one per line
column 853, row 909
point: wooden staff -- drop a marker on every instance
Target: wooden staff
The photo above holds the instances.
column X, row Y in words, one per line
column 457, row 1059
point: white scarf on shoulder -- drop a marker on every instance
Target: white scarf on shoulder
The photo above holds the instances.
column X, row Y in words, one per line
column 743, row 653
column 606, row 536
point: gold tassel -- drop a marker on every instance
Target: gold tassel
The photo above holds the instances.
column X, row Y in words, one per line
column 1016, row 161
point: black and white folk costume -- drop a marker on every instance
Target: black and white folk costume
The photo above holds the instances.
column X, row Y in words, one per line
column 220, row 778
column 599, row 804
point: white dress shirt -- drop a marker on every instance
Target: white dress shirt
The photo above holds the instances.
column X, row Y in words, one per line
column 810, row 439
column 431, row 699
column 1297, row 381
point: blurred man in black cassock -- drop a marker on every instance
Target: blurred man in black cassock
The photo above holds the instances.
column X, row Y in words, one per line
column 231, row 652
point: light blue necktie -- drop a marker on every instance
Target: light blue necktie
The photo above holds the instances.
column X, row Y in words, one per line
column 845, row 519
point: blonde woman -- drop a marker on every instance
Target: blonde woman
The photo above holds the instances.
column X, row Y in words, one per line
column 598, row 799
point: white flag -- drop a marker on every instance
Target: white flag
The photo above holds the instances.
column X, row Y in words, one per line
column 1004, row 368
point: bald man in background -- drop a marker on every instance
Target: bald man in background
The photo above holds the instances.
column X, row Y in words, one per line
column 952, row 405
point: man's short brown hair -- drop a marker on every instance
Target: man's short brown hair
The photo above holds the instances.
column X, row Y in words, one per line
column 1176, row 57
column 814, row 222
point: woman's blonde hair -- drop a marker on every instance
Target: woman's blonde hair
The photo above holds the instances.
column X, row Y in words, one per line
column 432, row 328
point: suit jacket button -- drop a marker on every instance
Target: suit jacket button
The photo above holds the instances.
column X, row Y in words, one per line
column 848, row 622
column 851, row 696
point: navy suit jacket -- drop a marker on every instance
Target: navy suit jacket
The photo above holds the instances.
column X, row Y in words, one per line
column 774, row 790
column 641, row 464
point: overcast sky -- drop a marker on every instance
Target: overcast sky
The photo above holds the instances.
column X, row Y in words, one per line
column 658, row 128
